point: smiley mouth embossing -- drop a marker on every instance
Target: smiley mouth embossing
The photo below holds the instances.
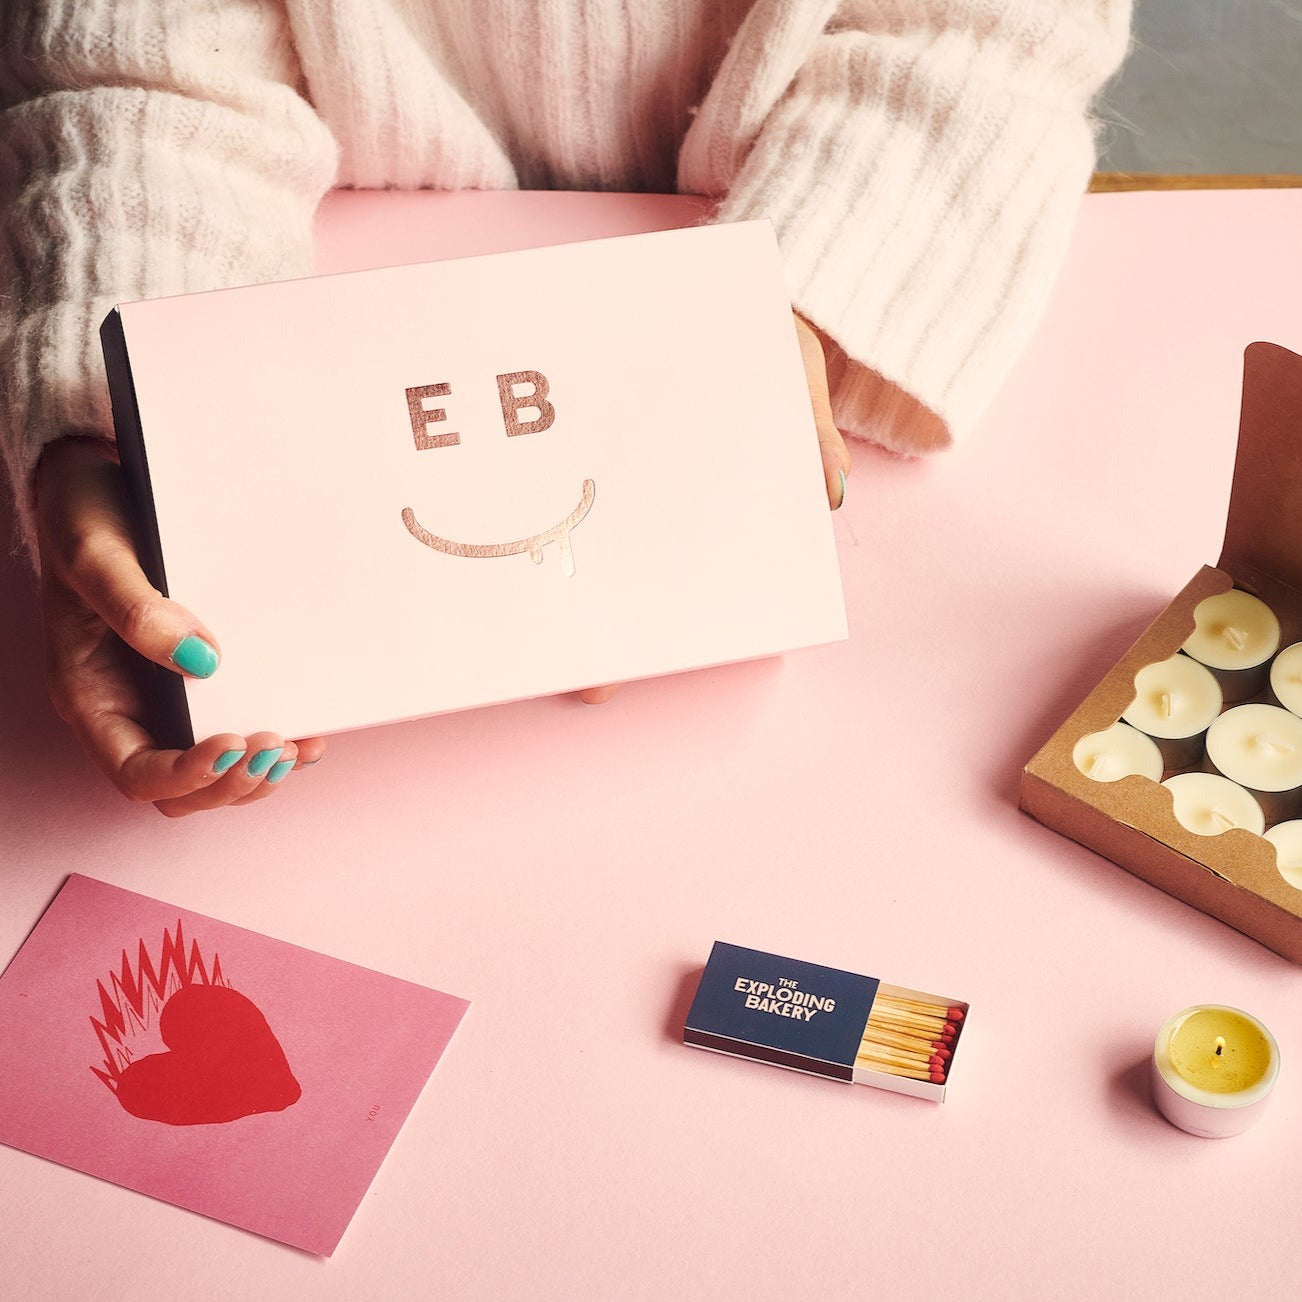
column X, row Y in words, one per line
column 534, row 544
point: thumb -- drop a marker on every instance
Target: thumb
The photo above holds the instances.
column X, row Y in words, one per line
column 110, row 581
column 831, row 445
column 85, row 540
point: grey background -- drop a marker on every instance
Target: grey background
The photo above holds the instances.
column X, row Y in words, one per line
column 1209, row 86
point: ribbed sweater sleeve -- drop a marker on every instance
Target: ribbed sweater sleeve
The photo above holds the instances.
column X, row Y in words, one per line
column 146, row 149
column 923, row 166
column 922, row 161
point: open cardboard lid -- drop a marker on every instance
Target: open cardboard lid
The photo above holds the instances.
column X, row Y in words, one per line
column 1263, row 533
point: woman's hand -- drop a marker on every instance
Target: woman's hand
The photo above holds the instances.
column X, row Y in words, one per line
column 99, row 609
column 836, row 459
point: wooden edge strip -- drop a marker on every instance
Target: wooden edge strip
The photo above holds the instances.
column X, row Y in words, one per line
column 1113, row 182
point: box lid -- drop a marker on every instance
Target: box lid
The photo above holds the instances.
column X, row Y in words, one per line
column 661, row 365
column 1263, row 531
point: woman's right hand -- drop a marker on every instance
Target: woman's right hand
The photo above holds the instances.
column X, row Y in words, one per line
column 98, row 610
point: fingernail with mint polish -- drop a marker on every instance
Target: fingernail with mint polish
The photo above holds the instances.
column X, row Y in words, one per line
column 263, row 760
column 279, row 770
column 194, row 656
column 228, row 759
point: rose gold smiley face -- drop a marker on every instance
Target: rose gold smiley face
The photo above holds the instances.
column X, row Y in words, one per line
column 422, row 417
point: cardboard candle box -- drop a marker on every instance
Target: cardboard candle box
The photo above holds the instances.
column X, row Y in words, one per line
column 1232, row 876
column 406, row 491
column 815, row 1019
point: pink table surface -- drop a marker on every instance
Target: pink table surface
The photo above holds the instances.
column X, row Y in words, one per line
column 567, row 868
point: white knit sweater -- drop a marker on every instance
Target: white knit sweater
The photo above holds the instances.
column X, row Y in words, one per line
column 922, row 160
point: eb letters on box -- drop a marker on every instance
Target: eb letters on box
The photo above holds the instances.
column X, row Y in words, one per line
column 423, row 414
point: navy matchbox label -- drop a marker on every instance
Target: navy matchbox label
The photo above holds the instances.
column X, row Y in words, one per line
column 780, row 1010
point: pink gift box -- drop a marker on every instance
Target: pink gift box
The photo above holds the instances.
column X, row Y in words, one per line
column 400, row 492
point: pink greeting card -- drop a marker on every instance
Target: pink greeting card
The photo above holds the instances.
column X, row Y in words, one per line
column 223, row 1071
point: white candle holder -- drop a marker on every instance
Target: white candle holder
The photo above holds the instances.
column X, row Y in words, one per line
column 1118, row 752
column 1260, row 748
column 1207, row 804
column 1235, row 635
column 1206, row 1113
column 1286, row 678
column 1175, row 702
column 1287, row 840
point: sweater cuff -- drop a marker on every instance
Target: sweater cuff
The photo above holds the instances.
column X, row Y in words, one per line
column 922, row 213
column 51, row 357
column 121, row 204
column 65, row 393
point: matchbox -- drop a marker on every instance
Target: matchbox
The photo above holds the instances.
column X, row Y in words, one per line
column 821, row 1020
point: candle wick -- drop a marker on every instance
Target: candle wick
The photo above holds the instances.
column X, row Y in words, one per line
column 1221, row 818
column 1276, row 744
column 1166, row 705
column 1236, row 637
column 1220, row 1045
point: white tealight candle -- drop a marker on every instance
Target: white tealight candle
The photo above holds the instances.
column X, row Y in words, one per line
column 1286, row 677
column 1213, row 1070
column 1260, row 748
column 1287, row 840
column 1175, row 701
column 1208, row 804
column 1117, row 752
column 1235, row 635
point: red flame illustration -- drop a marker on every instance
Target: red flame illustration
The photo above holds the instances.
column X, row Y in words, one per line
column 134, row 998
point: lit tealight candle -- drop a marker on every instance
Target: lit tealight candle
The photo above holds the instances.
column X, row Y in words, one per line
column 1260, row 748
column 1213, row 1070
column 1117, row 752
column 1287, row 840
column 1286, row 677
column 1175, row 701
column 1235, row 635
column 1208, row 804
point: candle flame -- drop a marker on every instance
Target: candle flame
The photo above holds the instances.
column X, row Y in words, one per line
column 1236, row 637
